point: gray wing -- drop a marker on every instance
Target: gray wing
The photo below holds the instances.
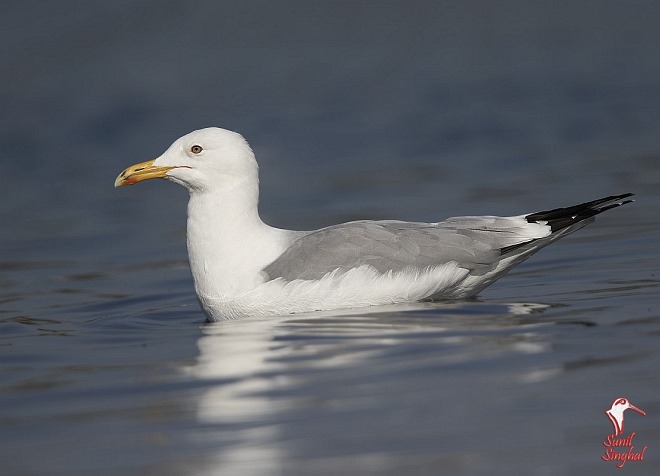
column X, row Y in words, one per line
column 472, row 242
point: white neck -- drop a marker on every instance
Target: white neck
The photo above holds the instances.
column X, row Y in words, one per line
column 228, row 244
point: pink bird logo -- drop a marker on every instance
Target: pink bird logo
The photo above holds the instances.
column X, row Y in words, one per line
column 615, row 414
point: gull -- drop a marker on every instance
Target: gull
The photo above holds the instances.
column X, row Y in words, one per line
column 243, row 267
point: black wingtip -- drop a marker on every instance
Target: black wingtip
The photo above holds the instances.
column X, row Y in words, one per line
column 561, row 218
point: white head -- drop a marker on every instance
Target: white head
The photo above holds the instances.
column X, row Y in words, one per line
column 204, row 160
column 622, row 404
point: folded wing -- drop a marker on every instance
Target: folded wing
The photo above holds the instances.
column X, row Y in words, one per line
column 476, row 243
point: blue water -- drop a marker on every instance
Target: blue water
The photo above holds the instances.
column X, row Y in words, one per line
column 414, row 111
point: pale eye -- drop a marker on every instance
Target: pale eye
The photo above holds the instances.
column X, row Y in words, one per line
column 196, row 149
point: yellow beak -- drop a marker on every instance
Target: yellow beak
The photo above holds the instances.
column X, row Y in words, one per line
column 139, row 172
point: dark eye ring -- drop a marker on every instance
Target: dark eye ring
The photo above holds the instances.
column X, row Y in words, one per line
column 196, row 149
